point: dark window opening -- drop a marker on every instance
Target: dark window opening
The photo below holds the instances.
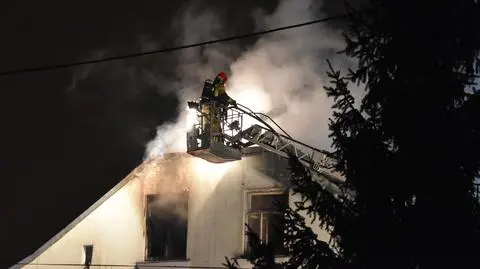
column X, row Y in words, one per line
column 265, row 219
column 167, row 227
column 88, row 253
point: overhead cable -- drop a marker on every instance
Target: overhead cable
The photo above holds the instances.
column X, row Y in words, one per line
column 169, row 49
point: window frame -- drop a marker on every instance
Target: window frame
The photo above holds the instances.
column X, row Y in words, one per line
column 248, row 193
column 147, row 254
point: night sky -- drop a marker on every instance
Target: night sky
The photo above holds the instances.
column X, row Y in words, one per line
column 61, row 151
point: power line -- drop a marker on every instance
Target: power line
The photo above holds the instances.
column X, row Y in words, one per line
column 140, row 54
column 123, row 265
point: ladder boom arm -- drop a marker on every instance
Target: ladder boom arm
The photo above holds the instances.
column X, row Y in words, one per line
column 227, row 147
column 316, row 160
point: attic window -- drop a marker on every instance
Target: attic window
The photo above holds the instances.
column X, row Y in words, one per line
column 167, row 227
column 87, row 254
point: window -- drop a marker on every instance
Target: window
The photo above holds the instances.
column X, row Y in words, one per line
column 265, row 219
column 167, row 227
column 87, row 255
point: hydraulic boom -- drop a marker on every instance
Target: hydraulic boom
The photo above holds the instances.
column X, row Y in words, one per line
column 201, row 142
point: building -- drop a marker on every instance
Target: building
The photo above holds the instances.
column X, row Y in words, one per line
column 175, row 211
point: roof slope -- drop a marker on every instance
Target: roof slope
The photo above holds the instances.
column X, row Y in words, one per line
column 134, row 174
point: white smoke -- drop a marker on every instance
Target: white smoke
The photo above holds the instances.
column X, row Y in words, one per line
column 283, row 72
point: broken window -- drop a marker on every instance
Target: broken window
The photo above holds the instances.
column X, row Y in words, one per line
column 266, row 220
column 167, row 227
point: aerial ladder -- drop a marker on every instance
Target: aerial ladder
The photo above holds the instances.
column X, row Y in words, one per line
column 227, row 145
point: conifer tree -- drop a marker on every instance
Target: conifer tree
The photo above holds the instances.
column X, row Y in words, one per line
column 410, row 149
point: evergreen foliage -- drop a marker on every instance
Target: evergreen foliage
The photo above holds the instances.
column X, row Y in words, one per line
column 410, row 150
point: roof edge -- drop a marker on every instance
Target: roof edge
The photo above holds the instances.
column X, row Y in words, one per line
column 132, row 175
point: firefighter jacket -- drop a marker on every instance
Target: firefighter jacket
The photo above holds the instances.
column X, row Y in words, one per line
column 220, row 93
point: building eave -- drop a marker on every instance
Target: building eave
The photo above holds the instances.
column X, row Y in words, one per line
column 132, row 175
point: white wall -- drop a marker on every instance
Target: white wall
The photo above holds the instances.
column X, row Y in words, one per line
column 215, row 213
column 217, row 209
column 115, row 229
column 217, row 205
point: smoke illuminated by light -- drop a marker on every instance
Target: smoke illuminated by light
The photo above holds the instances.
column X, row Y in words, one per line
column 211, row 172
column 190, row 118
column 249, row 93
column 247, row 89
column 281, row 75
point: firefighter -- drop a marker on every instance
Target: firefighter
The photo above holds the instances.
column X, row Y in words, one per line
column 205, row 108
column 221, row 97
column 219, row 92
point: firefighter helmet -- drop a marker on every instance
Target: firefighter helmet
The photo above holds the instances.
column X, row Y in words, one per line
column 222, row 76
